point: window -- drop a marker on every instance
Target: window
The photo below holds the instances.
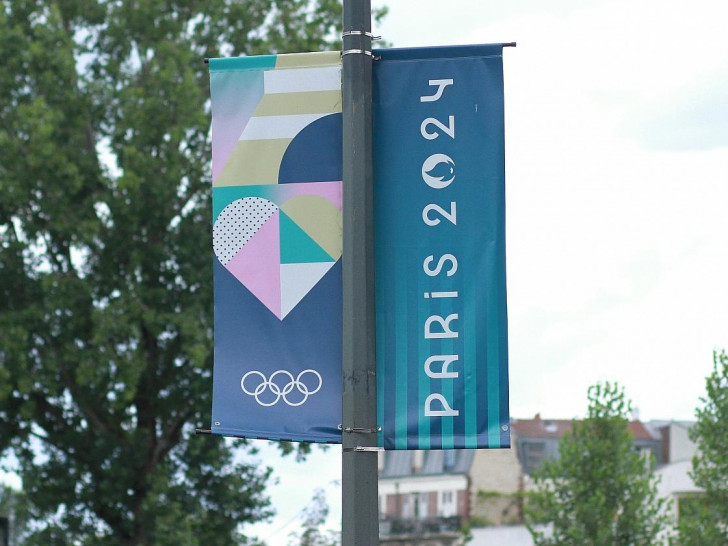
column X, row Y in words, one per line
column 449, row 462
column 446, row 505
column 417, row 460
column 533, row 455
column 422, row 505
column 408, row 509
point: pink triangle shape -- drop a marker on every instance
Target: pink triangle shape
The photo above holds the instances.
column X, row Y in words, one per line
column 257, row 265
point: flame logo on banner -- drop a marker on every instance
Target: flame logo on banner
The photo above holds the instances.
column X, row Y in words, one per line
column 438, row 171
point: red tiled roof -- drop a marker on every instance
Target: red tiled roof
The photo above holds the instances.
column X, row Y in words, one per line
column 556, row 428
column 541, row 428
column 640, row 431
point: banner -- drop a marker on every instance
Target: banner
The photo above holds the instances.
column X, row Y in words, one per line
column 277, row 238
column 440, row 248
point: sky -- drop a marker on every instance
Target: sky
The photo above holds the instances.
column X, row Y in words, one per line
column 616, row 119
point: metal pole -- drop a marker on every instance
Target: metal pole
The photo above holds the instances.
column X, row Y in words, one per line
column 4, row 531
column 360, row 517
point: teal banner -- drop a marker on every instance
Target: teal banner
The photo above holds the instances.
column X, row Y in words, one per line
column 442, row 351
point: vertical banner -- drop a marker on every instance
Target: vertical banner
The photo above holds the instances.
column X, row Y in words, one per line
column 439, row 175
column 277, row 238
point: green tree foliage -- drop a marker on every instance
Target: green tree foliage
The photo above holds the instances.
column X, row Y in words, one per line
column 14, row 506
column 704, row 518
column 600, row 491
column 106, row 261
column 314, row 517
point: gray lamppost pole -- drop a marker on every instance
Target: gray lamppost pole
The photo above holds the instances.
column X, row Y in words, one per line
column 360, row 518
column 4, row 531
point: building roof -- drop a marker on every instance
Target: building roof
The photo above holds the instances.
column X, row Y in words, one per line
column 656, row 425
column 434, row 462
column 556, row 428
column 400, row 463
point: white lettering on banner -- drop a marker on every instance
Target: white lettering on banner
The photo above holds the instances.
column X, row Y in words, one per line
column 444, row 372
column 441, row 85
column 446, row 333
column 448, row 129
column 440, row 264
column 438, row 172
column 451, row 215
column 428, row 295
column 446, row 410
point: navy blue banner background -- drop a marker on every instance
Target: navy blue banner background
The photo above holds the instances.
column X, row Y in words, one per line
column 309, row 338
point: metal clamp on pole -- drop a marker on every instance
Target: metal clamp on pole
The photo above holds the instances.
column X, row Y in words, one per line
column 360, row 33
column 365, row 49
column 363, row 449
column 356, row 51
column 360, row 430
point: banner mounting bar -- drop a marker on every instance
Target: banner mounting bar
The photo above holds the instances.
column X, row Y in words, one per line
column 362, row 430
column 360, row 449
column 360, row 33
column 356, row 51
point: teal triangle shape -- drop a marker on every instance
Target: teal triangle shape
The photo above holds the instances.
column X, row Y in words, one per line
column 297, row 247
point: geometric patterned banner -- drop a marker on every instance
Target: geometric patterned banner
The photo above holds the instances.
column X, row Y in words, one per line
column 439, row 199
column 277, row 239
column 439, row 192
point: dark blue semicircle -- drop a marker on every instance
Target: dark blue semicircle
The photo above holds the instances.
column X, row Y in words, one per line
column 314, row 155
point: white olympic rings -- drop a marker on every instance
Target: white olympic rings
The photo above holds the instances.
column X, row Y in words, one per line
column 281, row 391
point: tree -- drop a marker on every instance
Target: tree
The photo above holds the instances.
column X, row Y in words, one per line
column 314, row 516
column 106, row 261
column 600, row 491
column 704, row 518
column 14, row 506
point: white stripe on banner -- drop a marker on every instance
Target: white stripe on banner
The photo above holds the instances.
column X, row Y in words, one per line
column 298, row 80
column 271, row 127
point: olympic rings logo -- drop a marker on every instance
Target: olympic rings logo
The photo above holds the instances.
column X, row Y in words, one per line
column 281, row 384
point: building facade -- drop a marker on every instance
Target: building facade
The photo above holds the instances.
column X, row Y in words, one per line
column 429, row 498
column 424, row 494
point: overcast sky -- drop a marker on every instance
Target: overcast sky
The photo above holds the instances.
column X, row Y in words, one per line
column 617, row 202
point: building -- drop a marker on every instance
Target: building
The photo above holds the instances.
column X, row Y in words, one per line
column 538, row 439
column 428, row 497
column 424, row 494
column 678, row 451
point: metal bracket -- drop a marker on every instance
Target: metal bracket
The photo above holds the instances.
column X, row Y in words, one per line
column 360, row 33
column 364, row 33
column 363, row 449
column 360, row 430
column 357, row 51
